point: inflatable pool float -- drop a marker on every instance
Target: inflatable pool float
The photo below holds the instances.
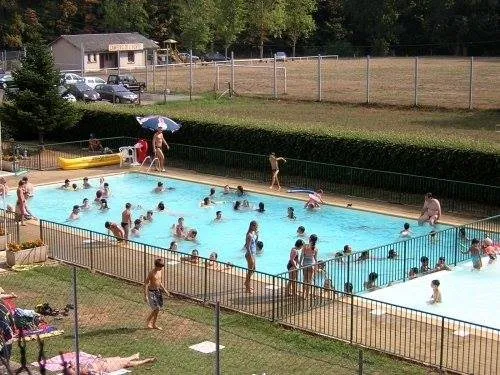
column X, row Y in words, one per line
column 89, row 161
column 300, row 191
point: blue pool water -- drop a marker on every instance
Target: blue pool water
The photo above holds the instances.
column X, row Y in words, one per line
column 334, row 226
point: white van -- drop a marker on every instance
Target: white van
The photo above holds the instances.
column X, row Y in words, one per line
column 94, row 81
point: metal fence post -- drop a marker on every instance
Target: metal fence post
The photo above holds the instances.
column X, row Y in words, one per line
column 415, row 83
column 40, row 149
column 40, row 227
column 320, row 89
column 91, row 253
column 154, row 71
column 404, row 260
column 145, row 261
column 190, row 74
column 274, row 301
column 205, row 277
column 367, row 79
column 217, row 73
column 351, row 335
column 75, row 317
column 471, row 81
column 455, row 245
column 232, row 75
column 441, row 351
column 284, row 78
column 275, row 79
column 217, row 338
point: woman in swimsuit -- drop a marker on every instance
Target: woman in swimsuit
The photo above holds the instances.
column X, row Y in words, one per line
column 308, row 261
column 250, row 251
column 292, row 267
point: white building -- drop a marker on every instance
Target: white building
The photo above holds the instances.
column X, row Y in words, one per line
column 101, row 51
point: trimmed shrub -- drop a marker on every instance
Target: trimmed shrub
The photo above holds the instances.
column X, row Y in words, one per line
column 411, row 156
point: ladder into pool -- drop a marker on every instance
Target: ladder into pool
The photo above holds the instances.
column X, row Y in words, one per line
column 150, row 165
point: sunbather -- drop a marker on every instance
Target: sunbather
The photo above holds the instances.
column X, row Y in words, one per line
column 109, row 364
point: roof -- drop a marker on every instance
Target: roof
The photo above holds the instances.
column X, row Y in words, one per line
column 100, row 42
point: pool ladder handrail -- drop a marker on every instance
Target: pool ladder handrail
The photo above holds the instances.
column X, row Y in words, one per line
column 150, row 165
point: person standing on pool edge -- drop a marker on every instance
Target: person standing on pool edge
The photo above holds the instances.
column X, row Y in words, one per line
column 153, row 292
column 126, row 220
column 274, row 161
column 158, row 142
column 250, row 251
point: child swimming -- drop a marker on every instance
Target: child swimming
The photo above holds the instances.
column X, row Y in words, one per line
column 406, row 232
column 85, row 204
column 75, row 213
column 136, row 230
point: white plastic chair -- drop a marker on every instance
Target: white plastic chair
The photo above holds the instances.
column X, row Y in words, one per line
column 128, row 155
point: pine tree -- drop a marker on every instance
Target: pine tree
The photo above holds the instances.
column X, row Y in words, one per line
column 35, row 105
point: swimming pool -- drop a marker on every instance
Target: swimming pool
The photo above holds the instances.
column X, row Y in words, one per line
column 467, row 295
column 334, row 226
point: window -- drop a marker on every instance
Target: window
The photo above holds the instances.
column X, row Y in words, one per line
column 91, row 57
column 131, row 57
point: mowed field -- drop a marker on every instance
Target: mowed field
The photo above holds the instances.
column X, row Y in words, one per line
column 442, row 82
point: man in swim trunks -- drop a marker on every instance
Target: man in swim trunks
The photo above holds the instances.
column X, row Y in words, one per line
column 158, row 142
column 127, row 220
column 153, row 289
column 431, row 211
column 274, row 161
column 116, row 230
column 21, row 209
column 475, row 252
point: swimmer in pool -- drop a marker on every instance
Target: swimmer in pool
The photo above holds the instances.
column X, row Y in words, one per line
column 392, row 254
column 433, row 236
column 218, row 217
column 261, row 208
column 259, row 247
column 75, row 214
column 370, row 284
column 436, row 294
column 106, row 192
column 180, row 231
column 347, row 250
column 475, row 252
column 227, row 190
column 159, row 188
column 191, row 235
column 290, row 213
column 314, row 200
column 98, row 197
column 413, row 273
column 206, row 203
column 239, row 191
column 237, row 206
column 406, row 232
column 74, row 187
column 424, row 264
column 245, row 204
column 136, row 230
column 339, row 257
column 86, row 184
column 212, row 194
column 173, row 246
column 66, row 185
column 301, row 231
column 193, row 258
column 85, row 204
column 149, row 216
column 160, row 207
column 104, row 205
column 441, row 265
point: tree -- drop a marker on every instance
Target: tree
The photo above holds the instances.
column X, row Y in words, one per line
column 229, row 21
column 124, row 16
column 37, row 105
column 194, row 22
column 266, row 18
column 298, row 20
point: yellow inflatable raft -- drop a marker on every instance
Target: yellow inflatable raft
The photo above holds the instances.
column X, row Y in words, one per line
column 89, row 161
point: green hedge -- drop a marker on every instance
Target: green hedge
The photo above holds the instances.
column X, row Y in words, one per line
column 412, row 157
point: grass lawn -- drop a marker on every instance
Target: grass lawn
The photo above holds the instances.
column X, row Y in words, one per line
column 112, row 315
column 465, row 129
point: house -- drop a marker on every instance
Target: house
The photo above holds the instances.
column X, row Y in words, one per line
column 101, row 51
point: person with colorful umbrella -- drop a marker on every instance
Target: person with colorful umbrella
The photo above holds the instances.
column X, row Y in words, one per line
column 158, row 142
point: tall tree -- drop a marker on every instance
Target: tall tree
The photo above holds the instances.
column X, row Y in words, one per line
column 135, row 19
column 37, row 105
column 266, row 18
column 194, row 22
column 228, row 21
column 298, row 20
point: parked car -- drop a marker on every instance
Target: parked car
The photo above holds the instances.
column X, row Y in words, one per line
column 214, row 56
column 70, row 78
column 6, row 81
column 65, row 94
column 185, row 57
column 128, row 81
column 82, row 91
column 93, row 81
column 280, row 56
column 116, row 93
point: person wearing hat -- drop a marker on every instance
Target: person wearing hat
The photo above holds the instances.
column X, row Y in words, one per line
column 153, row 292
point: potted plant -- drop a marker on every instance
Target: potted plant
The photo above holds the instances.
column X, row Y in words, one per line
column 4, row 239
column 28, row 252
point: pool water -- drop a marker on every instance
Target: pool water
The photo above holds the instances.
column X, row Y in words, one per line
column 334, row 226
column 467, row 294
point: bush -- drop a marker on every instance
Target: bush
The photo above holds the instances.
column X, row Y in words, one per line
column 411, row 156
